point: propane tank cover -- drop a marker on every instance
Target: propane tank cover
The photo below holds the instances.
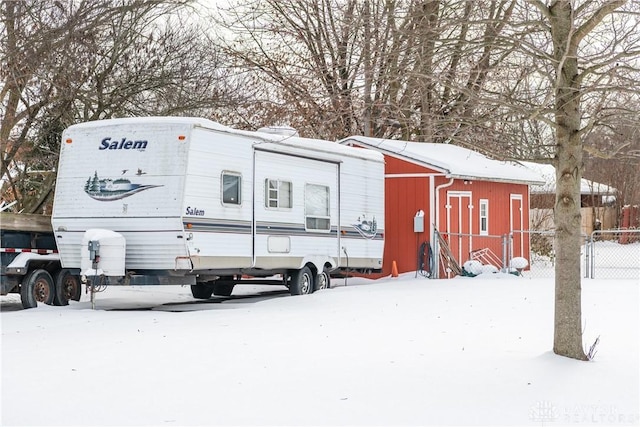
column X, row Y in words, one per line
column 107, row 253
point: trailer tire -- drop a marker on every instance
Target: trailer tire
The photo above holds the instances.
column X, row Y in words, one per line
column 323, row 281
column 201, row 291
column 68, row 287
column 223, row 289
column 37, row 287
column 301, row 282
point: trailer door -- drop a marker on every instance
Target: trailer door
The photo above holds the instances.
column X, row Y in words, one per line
column 295, row 209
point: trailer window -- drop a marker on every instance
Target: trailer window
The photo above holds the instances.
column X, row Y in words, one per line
column 231, row 184
column 277, row 194
column 316, row 203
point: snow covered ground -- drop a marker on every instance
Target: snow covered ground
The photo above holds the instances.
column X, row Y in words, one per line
column 396, row 351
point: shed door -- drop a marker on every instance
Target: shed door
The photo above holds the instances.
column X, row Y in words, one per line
column 517, row 225
column 459, row 216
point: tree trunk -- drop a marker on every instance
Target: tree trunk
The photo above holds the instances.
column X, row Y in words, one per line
column 568, row 311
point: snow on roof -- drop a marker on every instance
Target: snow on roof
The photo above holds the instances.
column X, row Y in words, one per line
column 548, row 172
column 333, row 149
column 282, row 141
column 452, row 160
column 195, row 121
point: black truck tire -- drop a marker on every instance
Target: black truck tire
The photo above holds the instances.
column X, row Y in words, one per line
column 223, row 289
column 201, row 291
column 37, row 287
column 68, row 287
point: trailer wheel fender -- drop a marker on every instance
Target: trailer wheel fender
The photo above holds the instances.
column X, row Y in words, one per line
column 37, row 287
column 319, row 263
column 68, row 287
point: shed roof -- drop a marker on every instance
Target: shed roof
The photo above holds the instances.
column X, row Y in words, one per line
column 451, row 160
column 548, row 172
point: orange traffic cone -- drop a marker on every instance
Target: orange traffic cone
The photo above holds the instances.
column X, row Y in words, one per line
column 394, row 269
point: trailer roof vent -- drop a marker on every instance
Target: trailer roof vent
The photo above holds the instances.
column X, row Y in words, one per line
column 279, row 130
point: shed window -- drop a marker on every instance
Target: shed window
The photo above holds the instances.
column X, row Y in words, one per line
column 231, row 188
column 277, row 194
column 484, row 216
column 316, row 203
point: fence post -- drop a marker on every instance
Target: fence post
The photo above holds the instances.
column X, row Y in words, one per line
column 592, row 256
column 587, row 257
column 505, row 252
column 436, row 254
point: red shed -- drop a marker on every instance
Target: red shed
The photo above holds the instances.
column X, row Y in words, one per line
column 474, row 202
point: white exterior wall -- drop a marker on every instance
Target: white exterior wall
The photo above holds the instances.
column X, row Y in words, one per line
column 221, row 233
column 148, row 215
column 362, row 198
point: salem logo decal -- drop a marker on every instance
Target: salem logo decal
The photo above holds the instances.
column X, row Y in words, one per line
column 366, row 228
column 123, row 144
column 194, row 211
column 108, row 189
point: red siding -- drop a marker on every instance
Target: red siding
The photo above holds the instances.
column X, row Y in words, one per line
column 404, row 197
column 407, row 195
column 395, row 166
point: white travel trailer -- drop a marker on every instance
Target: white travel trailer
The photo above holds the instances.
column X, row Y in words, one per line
column 171, row 200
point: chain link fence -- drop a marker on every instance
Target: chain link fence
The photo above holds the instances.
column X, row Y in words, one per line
column 542, row 253
column 605, row 254
column 614, row 254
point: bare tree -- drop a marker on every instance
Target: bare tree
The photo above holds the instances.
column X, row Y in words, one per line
column 613, row 158
column 578, row 72
column 65, row 62
column 573, row 75
column 399, row 68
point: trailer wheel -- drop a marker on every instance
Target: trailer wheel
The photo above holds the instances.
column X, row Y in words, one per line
column 223, row 289
column 322, row 281
column 68, row 287
column 201, row 291
column 37, row 287
column 301, row 282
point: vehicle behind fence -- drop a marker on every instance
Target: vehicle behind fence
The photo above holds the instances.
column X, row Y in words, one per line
column 604, row 254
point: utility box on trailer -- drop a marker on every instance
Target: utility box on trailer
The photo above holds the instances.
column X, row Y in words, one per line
column 201, row 204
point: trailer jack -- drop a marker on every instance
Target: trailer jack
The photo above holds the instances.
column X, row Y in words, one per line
column 96, row 283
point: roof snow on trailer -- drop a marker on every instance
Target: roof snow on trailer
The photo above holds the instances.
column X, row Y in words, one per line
column 284, row 143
